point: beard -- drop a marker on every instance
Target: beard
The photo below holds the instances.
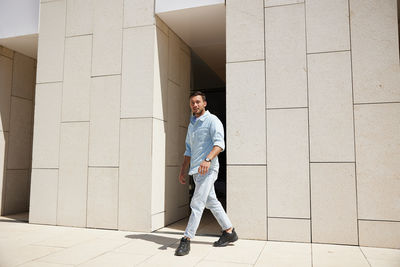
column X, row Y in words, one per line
column 198, row 111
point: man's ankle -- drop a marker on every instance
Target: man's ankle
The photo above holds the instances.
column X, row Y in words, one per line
column 229, row 230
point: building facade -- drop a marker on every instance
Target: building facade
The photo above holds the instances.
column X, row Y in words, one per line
column 312, row 115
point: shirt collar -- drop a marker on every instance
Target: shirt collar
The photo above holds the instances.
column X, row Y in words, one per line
column 201, row 118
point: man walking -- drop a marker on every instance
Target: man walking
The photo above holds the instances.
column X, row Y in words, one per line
column 204, row 141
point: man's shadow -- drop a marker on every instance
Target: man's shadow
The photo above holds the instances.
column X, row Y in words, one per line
column 164, row 241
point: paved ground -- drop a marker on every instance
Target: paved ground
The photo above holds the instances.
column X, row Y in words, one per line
column 23, row 244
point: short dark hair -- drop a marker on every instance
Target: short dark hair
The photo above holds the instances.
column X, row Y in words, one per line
column 196, row 93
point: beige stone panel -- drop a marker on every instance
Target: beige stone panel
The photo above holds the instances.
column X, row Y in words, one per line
column 4, row 51
column 176, row 195
column 157, row 221
column 138, row 13
column 245, row 99
column 379, row 234
column 134, row 211
column 107, row 48
column 76, row 86
column 248, row 214
column 107, row 37
column 20, row 136
column 288, row 163
column 331, row 107
column 282, row 254
column 184, row 47
column 16, row 191
column 3, row 165
column 51, row 41
column 172, row 127
column 138, row 72
column 244, row 30
column 104, row 121
column 158, row 167
column 181, row 142
column 107, row 15
column 160, row 96
column 24, row 72
column 327, row 25
column 73, row 172
column 52, row 19
column 272, row 3
column 377, row 161
column 43, row 201
column 185, row 66
column 173, row 144
column 80, row 17
column 375, row 51
column 46, row 140
column 324, row 255
column 161, row 25
column 102, row 210
column 283, row 229
column 285, row 46
column 334, row 203
column 173, row 57
column 50, row 60
column 5, row 92
column 177, row 214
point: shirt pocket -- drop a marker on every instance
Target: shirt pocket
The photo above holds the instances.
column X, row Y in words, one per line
column 202, row 134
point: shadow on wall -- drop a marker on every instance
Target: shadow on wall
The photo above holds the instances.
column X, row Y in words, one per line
column 17, row 86
column 174, row 71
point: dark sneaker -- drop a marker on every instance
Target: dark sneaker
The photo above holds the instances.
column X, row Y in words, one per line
column 183, row 248
column 226, row 238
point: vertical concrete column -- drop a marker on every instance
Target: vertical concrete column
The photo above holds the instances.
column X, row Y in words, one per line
column 47, row 123
column 245, row 126
column 376, row 79
column 151, row 91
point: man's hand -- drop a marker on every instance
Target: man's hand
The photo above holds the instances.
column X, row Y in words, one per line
column 185, row 165
column 204, row 166
column 182, row 178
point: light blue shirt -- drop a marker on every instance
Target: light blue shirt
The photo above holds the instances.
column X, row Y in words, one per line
column 203, row 134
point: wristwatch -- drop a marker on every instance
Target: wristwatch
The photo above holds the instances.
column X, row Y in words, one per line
column 208, row 160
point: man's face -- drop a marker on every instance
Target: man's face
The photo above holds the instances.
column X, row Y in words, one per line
column 197, row 105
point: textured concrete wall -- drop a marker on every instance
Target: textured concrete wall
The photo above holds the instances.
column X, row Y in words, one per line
column 313, row 115
column 17, row 85
column 110, row 116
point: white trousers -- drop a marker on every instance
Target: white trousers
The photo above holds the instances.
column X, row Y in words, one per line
column 204, row 197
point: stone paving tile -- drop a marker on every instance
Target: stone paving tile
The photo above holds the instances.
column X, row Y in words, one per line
column 43, row 264
column 83, row 252
column 206, row 263
column 68, row 238
column 382, row 257
column 117, row 259
column 147, row 244
column 337, row 255
column 280, row 254
column 242, row 251
column 15, row 256
column 32, row 245
column 167, row 258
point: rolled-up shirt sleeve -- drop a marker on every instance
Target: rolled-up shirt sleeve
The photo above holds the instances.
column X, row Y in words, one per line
column 188, row 150
column 217, row 134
